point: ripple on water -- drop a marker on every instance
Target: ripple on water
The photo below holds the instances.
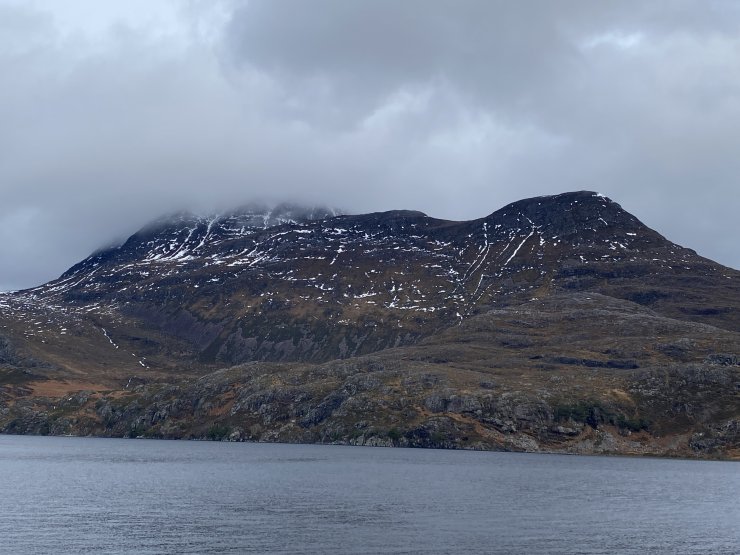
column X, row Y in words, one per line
column 143, row 496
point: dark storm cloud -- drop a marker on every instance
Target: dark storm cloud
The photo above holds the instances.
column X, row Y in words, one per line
column 453, row 108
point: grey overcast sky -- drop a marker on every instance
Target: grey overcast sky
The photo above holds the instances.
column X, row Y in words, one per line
column 113, row 113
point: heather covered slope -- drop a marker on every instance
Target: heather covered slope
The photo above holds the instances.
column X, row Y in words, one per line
column 561, row 301
column 530, row 377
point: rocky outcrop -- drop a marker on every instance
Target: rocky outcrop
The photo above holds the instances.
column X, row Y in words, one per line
column 674, row 411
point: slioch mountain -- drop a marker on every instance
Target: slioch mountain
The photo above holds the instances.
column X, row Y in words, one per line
column 557, row 323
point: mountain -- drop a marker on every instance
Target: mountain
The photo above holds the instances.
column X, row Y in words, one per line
column 558, row 322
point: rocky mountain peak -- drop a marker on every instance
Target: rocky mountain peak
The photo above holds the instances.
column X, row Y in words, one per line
column 183, row 235
column 567, row 214
column 552, row 317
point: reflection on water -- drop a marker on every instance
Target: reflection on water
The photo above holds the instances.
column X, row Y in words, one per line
column 75, row 495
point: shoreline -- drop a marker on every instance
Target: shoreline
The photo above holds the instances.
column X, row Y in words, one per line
column 431, row 448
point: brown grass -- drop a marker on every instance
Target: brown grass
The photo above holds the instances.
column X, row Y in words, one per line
column 58, row 388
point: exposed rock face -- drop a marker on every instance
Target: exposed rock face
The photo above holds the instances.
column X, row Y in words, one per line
column 555, row 323
column 7, row 353
column 723, row 359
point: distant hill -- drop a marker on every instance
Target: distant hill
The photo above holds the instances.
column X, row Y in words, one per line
column 557, row 323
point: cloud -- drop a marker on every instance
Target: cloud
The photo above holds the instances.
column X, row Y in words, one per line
column 453, row 108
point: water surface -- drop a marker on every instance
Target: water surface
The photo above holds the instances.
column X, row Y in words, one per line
column 80, row 495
